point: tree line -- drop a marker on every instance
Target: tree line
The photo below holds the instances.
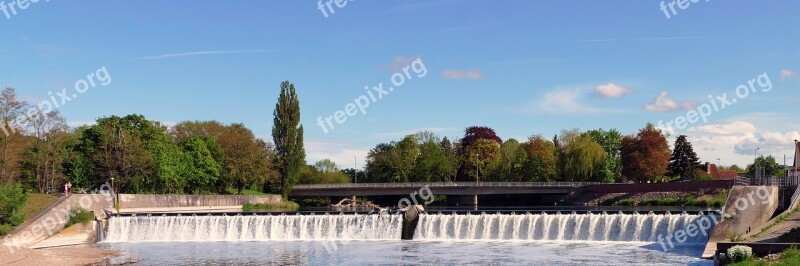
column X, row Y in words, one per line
column 139, row 155
column 596, row 155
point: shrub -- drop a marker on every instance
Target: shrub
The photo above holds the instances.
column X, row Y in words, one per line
column 739, row 253
column 626, row 202
column 12, row 200
column 608, row 202
column 5, row 229
column 79, row 216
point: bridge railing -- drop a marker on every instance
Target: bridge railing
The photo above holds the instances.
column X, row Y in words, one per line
column 448, row 184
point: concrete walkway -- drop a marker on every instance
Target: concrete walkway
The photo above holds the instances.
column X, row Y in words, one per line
column 78, row 234
column 237, row 208
column 771, row 235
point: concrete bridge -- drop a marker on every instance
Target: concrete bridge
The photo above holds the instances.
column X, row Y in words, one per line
column 457, row 192
column 437, row 188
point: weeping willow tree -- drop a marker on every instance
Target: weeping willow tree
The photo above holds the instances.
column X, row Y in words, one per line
column 582, row 158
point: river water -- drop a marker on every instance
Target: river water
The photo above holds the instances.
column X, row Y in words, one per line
column 407, row 253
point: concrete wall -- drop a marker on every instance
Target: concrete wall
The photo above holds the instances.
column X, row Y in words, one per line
column 659, row 187
column 158, row 201
column 744, row 210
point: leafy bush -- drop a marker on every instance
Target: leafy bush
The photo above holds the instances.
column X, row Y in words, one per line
column 79, row 216
column 608, row 202
column 6, row 229
column 626, row 202
column 12, row 200
column 739, row 253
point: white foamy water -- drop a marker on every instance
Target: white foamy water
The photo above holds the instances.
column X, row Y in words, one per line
column 556, row 227
column 254, row 228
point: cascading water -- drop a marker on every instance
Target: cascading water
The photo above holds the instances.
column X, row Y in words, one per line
column 557, row 227
column 254, row 228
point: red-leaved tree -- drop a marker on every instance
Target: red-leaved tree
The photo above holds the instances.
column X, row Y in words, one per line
column 645, row 156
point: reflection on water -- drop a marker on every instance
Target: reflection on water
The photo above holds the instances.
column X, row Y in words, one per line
column 408, row 252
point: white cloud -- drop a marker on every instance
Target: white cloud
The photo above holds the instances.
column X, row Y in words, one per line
column 343, row 154
column 612, row 90
column 76, row 124
column 787, row 74
column 663, row 103
column 565, row 100
column 735, row 142
column 458, row 74
column 163, row 56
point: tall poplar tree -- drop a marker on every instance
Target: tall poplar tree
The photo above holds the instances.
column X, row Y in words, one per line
column 287, row 133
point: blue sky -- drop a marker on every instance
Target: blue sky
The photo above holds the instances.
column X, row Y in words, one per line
column 521, row 67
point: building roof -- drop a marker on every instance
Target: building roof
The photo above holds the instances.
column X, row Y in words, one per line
column 727, row 175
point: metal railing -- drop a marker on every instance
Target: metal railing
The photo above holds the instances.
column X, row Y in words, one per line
column 450, row 184
column 768, row 181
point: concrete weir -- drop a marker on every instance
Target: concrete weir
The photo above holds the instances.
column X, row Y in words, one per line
column 746, row 209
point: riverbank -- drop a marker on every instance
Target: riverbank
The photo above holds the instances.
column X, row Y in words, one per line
column 66, row 256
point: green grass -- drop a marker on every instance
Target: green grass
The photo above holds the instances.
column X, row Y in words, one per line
column 787, row 257
column 285, row 206
column 36, row 203
column 79, row 216
column 780, row 219
column 247, row 192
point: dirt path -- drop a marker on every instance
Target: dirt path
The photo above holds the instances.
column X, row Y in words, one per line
column 76, row 255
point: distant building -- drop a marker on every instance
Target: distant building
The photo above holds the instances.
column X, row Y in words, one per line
column 717, row 174
column 795, row 169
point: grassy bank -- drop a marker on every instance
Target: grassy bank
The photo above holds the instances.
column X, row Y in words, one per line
column 283, row 206
column 33, row 206
column 785, row 258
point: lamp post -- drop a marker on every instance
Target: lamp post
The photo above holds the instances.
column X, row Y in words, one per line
column 113, row 194
column 355, row 171
column 477, row 168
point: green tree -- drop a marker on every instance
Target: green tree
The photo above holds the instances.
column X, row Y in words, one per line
column 542, row 162
column 684, row 161
column 583, row 158
column 12, row 200
column 382, row 162
column 611, row 140
column 432, row 164
column 115, row 149
column 479, row 156
column 326, row 166
column 287, row 134
column 202, row 170
column 769, row 165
